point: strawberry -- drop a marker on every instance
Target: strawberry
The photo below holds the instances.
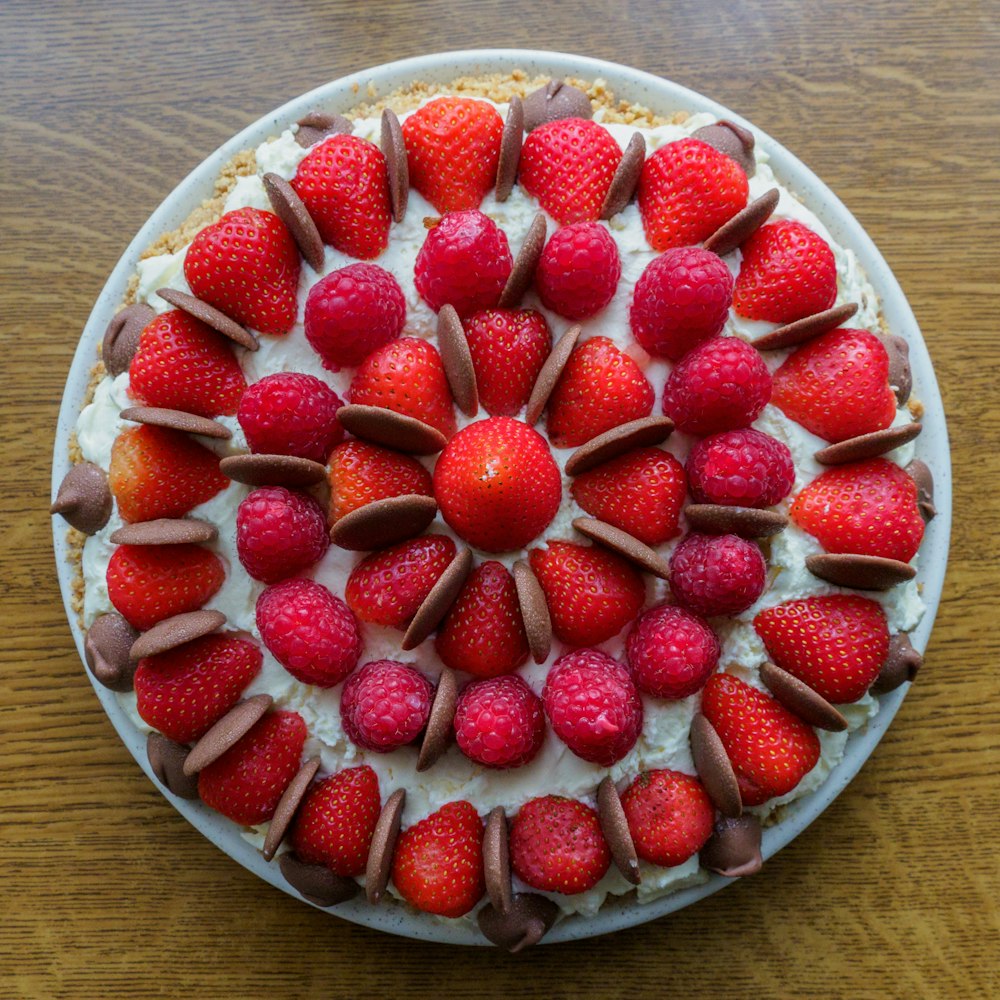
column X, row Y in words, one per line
column 686, row 191
column 181, row 364
column 147, row 583
column 868, row 508
column 452, row 151
column 600, row 388
column 787, row 272
column 641, row 492
column 836, row 644
column 837, row 386
column 483, row 633
column 406, row 376
column 438, row 863
column 185, row 691
column 568, row 165
column 361, row 473
column 247, row 265
column 157, row 472
column 771, row 749
column 344, row 184
column 591, row 592
column 247, row 781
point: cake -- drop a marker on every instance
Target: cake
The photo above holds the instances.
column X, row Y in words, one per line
column 497, row 500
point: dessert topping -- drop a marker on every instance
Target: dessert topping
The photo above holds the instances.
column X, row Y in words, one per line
column 165, row 531
column 740, row 468
column 394, row 151
column 743, row 224
column 210, row 316
column 642, row 433
column 798, row 697
column 859, row 572
column 272, row 470
column 121, row 338
column 534, row 611
column 900, row 376
column 316, row 883
column 166, row 758
column 439, row 599
column 437, row 735
column 106, row 649
column 384, row 522
column 614, row 826
column 714, row 767
column 921, row 475
column 510, row 149
column 496, row 860
column 499, row 722
column 84, row 498
column 380, row 425
column 279, row 533
column 857, row 449
column 624, row 544
column 317, row 125
column 227, row 732
column 457, row 360
column 626, row 177
column 723, row 519
column 901, row 665
column 556, row 100
column 288, row 805
column 524, row 923
column 550, row 374
column 288, row 207
column 717, row 574
column 733, row 850
column 671, row 652
column 383, row 846
column 176, row 420
column 734, row 140
column 385, row 705
column 523, row 270
column 801, row 330
column 176, row 631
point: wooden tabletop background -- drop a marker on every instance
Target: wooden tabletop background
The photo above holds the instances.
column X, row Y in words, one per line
column 106, row 891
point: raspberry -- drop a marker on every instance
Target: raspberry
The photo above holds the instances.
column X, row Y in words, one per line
column 465, row 261
column 291, row 413
column 579, row 270
column 279, row 533
column 671, row 652
column 352, row 312
column 720, row 385
column 593, row 706
column 682, row 298
column 717, row 574
column 311, row 633
column 499, row 722
column 385, row 705
column 742, row 468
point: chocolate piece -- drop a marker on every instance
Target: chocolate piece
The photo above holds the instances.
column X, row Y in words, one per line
column 747, row 522
column 317, row 125
column 106, row 650
column 496, row 861
column 174, row 632
column 438, row 602
column 437, row 735
column 383, row 845
column 394, row 430
column 394, row 150
column 288, row 207
column 624, row 544
column 919, row 472
column 176, row 420
column 714, row 767
column 802, row 700
column 384, row 522
column 522, row 274
column 643, row 433
column 901, row 665
column 457, row 360
column 210, row 316
column 287, row 806
column 528, row 919
column 856, row 449
column 614, row 826
column 534, row 611
column 84, row 498
column 743, row 225
column 860, row 572
column 227, row 732
column 900, row 375
column 166, row 531
column 272, row 470
column 733, row 850
column 550, row 374
column 166, row 758
column 793, row 334
column 121, row 338
column 626, row 177
column 733, row 140
column 316, row 883
column 510, row 149
column 553, row 102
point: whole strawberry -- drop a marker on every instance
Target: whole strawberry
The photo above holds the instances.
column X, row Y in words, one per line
column 742, row 468
column 361, row 473
column 279, row 533
column 717, row 574
column 671, row 652
column 385, row 705
column 578, row 271
column 670, row 816
column 499, row 722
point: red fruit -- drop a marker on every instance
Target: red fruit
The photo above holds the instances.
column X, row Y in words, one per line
column 600, row 388
column 717, row 574
column 181, row 364
column 186, row 690
column 279, row 533
column 578, row 271
column 641, row 492
column 837, row 386
column 771, row 749
column 591, row 593
column 361, row 473
column 835, row 644
column 148, row 583
column 593, row 706
column 406, row 376
column 788, row 272
column 157, row 472
column 438, row 863
column 336, row 821
column 344, row 184
column 499, row 722
column 719, row 386
column 671, row 652
column 353, row 311
column 311, row 633
column 670, row 816
column 742, row 468
column 247, row 781
column 681, row 299
column 508, row 347
column 387, row 587
column 247, row 265
column 568, row 165
column 385, row 705
column 483, row 633
column 465, row 262
column 686, row 191
column 290, row 413
column 868, row 508
column 556, row 845
column 497, row 484
column 452, row 151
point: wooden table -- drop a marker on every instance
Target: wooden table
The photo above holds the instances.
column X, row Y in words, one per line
column 107, row 892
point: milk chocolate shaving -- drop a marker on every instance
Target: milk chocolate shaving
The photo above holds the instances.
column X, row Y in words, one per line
column 802, row 700
column 534, row 611
column 272, row 470
column 553, row 102
column 287, row 806
column 394, row 151
column 919, row 472
column 84, row 498
column 176, row 631
column 614, row 826
column 121, row 338
column 227, row 732
column 626, row 177
column 176, row 420
column 522, row 274
column 550, row 374
column 900, row 375
column 316, row 883
column 510, row 148
column 528, row 919
column 210, row 316
column 733, row 850
column 438, row 602
column 743, row 225
column 457, row 360
column 383, row 845
column 384, row 522
column 643, row 433
column 289, row 208
column 106, row 650
column 166, row 531
column 714, row 767
column 859, row 572
column 747, row 522
column 317, row 125
column 624, row 544
column 437, row 735
column 733, row 140
column 792, row 334
column 166, row 758
column 901, row 665
column 394, row 430
column 856, row 449
column 496, row 861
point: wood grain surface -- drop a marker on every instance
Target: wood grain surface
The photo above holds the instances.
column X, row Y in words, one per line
column 106, row 891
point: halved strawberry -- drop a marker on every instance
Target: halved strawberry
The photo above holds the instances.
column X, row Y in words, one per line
column 361, row 473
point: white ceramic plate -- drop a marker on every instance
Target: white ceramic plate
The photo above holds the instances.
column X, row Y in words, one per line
column 662, row 96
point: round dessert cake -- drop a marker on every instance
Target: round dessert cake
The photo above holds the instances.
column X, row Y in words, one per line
column 499, row 501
